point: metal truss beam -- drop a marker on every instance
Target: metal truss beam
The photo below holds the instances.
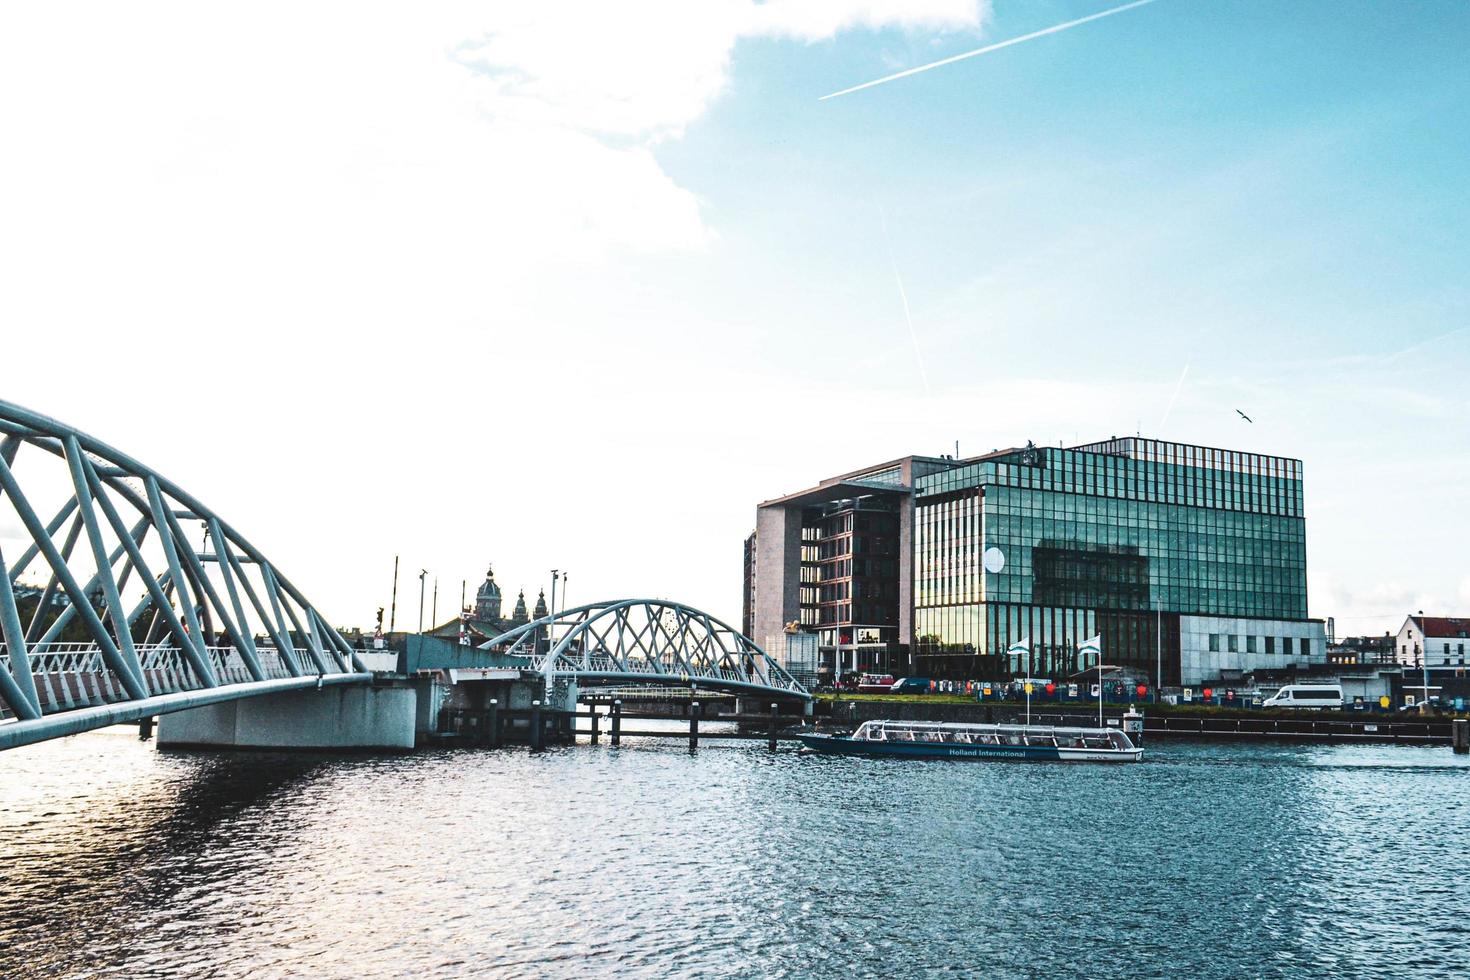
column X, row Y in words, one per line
column 646, row 641
column 189, row 591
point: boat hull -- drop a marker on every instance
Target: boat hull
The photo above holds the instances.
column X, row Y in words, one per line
column 918, row 749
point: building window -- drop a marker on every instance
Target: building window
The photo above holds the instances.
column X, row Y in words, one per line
column 1250, row 644
column 1270, row 644
column 1234, row 642
column 1214, row 642
column 1306, row 647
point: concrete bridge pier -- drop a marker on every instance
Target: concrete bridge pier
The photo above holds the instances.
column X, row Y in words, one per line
column 346, row 716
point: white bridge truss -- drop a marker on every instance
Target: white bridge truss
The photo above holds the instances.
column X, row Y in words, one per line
column 139, row 599
column 645, row 641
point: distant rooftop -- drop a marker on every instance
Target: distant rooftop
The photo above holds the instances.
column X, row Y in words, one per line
column 1441, row 627
column 1184, row 454
column 888, row 476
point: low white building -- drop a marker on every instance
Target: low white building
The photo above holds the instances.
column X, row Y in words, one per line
column 797, row 652
column 1443, row 638
column 1210, row 645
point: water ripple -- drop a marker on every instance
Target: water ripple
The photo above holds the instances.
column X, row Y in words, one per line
column 1213, row 861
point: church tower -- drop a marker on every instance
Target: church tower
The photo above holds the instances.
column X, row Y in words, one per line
column 487, row 599
column 520, row 617
column 540, row 611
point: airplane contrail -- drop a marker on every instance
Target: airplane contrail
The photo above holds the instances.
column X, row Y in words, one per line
column 1177, row 388
column 903, row 295
column 988, row 48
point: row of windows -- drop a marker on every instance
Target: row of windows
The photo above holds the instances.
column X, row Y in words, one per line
column 1253, row 644
column 1459, row 652
column 1059, row 550
column 1054, row 638
column 868, row 612
column 1159, row 451
column 1273, row 487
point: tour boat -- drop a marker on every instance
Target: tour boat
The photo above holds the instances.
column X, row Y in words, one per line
column 930, row 739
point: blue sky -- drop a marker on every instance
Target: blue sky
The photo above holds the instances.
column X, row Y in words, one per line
column 589, row 281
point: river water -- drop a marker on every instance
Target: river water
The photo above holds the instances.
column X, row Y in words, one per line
column 1207, row 860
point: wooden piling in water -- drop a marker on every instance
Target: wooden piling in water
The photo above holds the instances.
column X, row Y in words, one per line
column 1460, row 736
column 536, row 727
column 771, row 744
column 617, row 722
column 693, row 725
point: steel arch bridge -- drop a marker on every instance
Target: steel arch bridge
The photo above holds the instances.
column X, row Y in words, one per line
column 645, row 642
column 132, row 617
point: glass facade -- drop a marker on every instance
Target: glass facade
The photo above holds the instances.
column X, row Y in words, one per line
column 1116, row 538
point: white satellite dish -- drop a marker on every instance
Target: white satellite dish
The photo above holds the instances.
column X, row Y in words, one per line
column 994, row 560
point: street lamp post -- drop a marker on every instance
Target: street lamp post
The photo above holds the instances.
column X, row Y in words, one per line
column 1424, row 662
column 423, row 573
column 1159, row 638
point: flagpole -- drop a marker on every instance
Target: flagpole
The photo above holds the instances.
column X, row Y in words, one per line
column 1024, row 646
column 1094, row 645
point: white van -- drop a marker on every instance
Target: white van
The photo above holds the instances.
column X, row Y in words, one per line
column 1306, row 696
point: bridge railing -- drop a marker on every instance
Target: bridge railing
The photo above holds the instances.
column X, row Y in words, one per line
column 72, row 675
column 72, row 658
column 666, row 666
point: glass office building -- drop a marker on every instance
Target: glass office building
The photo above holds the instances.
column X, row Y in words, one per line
column 1131, row 539
column 1189, row 562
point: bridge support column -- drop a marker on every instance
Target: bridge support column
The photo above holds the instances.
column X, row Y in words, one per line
column 336, row 717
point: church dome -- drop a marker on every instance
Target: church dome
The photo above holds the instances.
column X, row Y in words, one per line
column 487, row 599
column 488, row 588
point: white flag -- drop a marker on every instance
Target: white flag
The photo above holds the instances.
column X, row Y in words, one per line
column 1092, row 647
column 1020, row 653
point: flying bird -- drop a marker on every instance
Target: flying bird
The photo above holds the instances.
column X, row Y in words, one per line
column 1245, row 416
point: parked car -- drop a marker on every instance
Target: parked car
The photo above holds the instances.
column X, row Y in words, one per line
column 1434, row 705
column 875, row 683
column 910, row 685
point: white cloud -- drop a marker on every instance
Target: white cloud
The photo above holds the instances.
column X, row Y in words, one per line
column 319, row 262
column 649, row 68
column 490, row 135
